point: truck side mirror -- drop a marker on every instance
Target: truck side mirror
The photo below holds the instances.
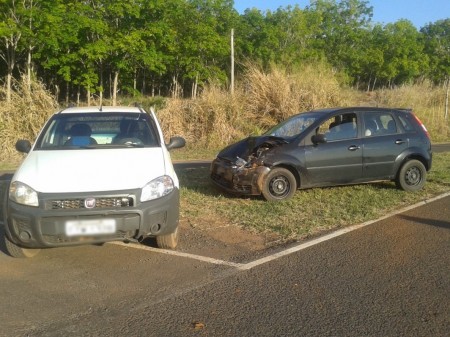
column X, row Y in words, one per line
column 23, row 145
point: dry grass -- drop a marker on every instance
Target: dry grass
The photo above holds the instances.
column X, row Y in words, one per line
column 428, row 103
column 261, row 100
column 23, row 117
column 214, row 118
column 217, row 118
column 276, row 95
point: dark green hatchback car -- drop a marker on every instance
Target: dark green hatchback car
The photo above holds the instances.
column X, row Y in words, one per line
column 325, row 148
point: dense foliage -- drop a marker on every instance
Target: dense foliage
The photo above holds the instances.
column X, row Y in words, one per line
column 82, row 48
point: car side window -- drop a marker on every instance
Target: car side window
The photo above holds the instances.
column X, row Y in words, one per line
column 340, row 127
column 379, row 124
column 406, row 123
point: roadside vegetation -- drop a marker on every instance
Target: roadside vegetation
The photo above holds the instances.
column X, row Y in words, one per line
column 156, row 53
column 216, row 119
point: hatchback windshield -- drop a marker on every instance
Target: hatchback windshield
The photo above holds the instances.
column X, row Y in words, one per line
column 98, row 130
column 293, row 126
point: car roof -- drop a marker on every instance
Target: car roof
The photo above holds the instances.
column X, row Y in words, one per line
column 357, row 108
column 89, row 109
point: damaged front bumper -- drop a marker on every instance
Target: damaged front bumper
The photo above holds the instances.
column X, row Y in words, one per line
column 238, row 178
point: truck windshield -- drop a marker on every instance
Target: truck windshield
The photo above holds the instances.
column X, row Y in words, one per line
column 100, row 130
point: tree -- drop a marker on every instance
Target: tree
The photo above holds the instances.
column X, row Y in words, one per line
column 201, row 51
column 253, row 38
column 437, row 46
column 11, row 30
column 404, row 59
column 342, row 30
column 294, row 32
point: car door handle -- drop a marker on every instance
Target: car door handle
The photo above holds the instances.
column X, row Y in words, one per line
column 400, row 141
column 353, row 148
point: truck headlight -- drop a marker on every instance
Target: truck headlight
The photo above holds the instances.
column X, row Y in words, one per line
column 157, row 188
column 23, row 194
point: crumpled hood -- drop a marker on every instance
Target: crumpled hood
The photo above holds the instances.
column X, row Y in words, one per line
column 248, row 146
column 91, row 169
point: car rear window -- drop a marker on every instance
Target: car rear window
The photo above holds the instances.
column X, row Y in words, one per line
column 407, row 121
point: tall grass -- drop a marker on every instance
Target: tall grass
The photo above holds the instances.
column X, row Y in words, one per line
column 261, row 100
column 427, row 102
column 217, row 118
column 22, row 118
column 276, row 95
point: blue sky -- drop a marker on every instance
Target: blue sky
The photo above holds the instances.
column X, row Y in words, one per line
column 419, row 12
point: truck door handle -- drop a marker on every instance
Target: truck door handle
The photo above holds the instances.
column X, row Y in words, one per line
column 353, row 148
column 400, row 141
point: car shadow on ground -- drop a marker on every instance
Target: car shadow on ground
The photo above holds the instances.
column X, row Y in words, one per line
column 429, row 222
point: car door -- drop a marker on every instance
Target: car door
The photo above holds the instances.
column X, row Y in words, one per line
column 383, row 142
column 338, row 160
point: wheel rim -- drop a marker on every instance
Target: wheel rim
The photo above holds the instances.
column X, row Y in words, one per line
column 413, row 176
column 279, row 186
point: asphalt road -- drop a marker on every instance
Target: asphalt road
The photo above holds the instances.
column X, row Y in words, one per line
column 444, row 147
column 390, row 278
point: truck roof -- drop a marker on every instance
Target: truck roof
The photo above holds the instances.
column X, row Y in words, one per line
column 125, row 109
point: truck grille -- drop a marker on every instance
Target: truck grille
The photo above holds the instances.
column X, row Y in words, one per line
column 107, row 202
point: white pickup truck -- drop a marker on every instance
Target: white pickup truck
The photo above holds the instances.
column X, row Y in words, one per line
column 94, row 174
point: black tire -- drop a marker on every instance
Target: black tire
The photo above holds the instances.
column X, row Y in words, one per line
column 17, row 251
column 168, row 241
column 280, row 184
column 412, row 176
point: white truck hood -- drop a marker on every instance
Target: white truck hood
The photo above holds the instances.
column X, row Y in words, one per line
column 91, row 169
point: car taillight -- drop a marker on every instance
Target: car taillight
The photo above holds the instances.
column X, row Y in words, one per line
column 422, row 125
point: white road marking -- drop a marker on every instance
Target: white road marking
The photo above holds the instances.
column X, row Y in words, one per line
column 301, row 246
column 175, row 253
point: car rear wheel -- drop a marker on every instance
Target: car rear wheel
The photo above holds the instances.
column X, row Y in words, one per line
column 412, row 176
column 280, row 184
column 168, row 241
column 17, row 251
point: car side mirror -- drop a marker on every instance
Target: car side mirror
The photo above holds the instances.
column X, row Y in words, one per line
column 176, row 143
column 23, row 145
column 318, row 139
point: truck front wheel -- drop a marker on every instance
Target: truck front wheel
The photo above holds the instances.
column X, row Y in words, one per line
column 17, row 251
column 168, row 241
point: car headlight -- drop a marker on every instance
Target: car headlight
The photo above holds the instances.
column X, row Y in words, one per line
column 23, row 194
column 157, row 188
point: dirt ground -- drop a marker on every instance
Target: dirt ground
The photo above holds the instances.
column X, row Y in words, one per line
column 224, row 241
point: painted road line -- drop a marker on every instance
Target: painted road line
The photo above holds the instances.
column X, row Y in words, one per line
column 299, row 247
column 176, row 253
column 335, row 234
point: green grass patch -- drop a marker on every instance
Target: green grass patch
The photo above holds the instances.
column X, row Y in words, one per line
column 190, row 152
column 310, row 211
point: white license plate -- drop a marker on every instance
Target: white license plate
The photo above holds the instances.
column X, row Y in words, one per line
column 90, row 227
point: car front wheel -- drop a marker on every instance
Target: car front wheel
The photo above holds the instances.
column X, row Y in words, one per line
column 280, row 184
column 412, row 176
